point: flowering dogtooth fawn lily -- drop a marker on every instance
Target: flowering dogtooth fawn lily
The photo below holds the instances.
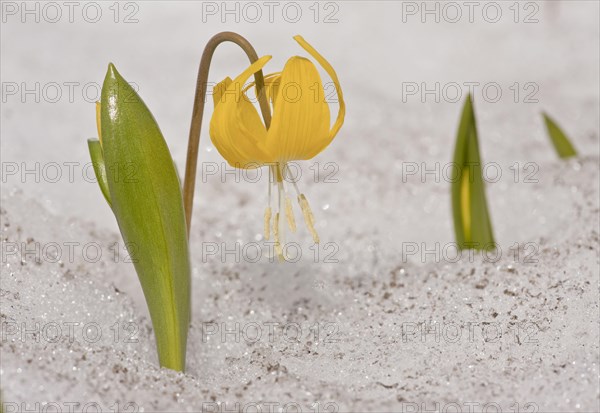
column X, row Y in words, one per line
column 300, row 129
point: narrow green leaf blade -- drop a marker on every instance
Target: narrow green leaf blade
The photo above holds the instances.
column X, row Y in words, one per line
column 99, row 168
column 472, row 224
column 559, row 139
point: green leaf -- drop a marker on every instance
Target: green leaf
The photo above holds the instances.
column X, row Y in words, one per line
column 99, row 168
column 146, row 198
column 561, row 142
column 472, row 224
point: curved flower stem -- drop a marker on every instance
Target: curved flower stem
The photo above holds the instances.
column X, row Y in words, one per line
column 199, row 101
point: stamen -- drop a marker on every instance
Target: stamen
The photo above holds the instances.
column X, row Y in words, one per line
column 268, row 214
column 289, row 213
column 278, row 249
column 295, row 185
column 268, row 211
column 309, row 218
column 276, row 229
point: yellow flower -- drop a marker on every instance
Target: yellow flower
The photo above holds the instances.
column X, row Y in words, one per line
column 300, row 128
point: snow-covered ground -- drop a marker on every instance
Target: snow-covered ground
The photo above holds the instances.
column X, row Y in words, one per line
column 382, row 316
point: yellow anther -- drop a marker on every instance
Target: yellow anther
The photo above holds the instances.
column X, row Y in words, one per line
column 268, row 214
column 309, row 218
column 289, row 214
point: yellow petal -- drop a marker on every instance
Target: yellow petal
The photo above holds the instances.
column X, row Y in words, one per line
column 236, row 129
column 300, row 121
column 218, row 92
column 98, row 121
column 271, row 86
column 219, row 89
column 331, row 72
